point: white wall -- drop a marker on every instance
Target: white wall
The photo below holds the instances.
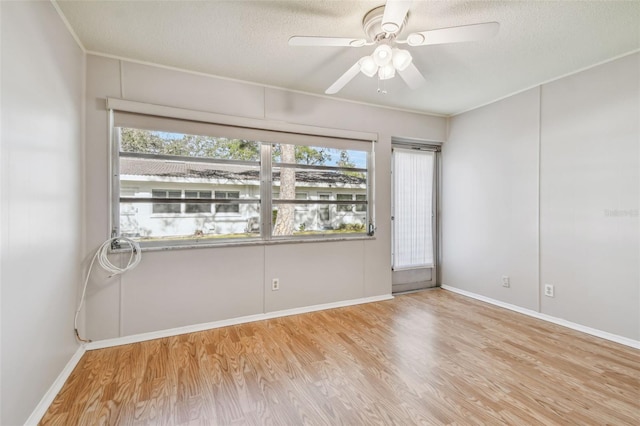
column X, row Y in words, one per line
column 590, row 172
column 42, row 83
column 490, row 199
column 529, row 184
column 182, row 287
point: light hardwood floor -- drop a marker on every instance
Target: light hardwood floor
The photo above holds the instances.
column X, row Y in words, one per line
column 432, row 358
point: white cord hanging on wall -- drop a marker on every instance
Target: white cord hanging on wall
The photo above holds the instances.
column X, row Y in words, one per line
column 103, row 259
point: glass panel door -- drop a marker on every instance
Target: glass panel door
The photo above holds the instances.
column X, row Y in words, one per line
column 414, row 198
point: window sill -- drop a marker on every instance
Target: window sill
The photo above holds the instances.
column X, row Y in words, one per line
column 189, row 245
column 196, row 215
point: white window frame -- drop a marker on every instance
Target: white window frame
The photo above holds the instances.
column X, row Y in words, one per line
column 272, row 131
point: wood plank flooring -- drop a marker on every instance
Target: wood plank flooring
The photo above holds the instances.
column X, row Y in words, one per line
column 429, row 358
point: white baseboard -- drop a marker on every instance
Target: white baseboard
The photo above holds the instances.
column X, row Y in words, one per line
column 107, row 343
column 559, row 321
column 50, row 395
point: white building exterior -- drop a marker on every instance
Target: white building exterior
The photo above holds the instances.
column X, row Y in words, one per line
column 144, row 178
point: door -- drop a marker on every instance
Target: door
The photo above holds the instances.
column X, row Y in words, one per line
column 414, row 239
column 323, row 216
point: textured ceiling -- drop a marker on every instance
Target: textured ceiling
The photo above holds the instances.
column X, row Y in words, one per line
column 247, row 40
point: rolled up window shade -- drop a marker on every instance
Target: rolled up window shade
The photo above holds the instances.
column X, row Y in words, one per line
column 146, row 117
column 413, row 195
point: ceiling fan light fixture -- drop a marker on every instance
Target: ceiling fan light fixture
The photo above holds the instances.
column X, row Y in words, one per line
column 382, row 55
column 382, row 25
column 386, row 72
column 401, row 59
column 368, row 66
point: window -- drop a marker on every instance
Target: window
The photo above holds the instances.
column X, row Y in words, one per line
column 297, row 169
column 361, row 208
column 227, row 208
column 345, row 207
column 165, row 207
column 197, row 207
column 302, row 196
column 176, row 207
column 324, row 211
column 180, row 182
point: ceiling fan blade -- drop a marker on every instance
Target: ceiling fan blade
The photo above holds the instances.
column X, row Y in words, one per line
column 412, row 76
column 326, row 41
column 344, row 79
column 472, row 32
column 394, row 13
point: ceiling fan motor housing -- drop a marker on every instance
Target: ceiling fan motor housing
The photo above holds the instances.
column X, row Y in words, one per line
column 372, row 25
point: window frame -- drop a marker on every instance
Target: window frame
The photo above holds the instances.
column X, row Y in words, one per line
column 265, row 201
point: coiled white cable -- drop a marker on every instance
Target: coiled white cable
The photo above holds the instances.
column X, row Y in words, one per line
column 103, row 259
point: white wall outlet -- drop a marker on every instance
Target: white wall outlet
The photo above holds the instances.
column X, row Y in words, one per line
column 275, row 284
column 506, row 282
column 548, row 290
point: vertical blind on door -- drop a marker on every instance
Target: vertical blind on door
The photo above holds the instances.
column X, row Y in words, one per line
column 413, row 201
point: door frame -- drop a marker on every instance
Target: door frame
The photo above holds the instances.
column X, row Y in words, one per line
column 417, row 280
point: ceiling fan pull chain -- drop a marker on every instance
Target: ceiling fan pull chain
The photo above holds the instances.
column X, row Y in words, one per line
column 382, row 90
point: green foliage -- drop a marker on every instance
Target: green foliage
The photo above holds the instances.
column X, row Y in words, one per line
column 135, row 140
column 304, row 155
column 351, row 227
column 308, row 155
column 153, row 142
column 345, row 161
column 238, row 149
column 150, row 142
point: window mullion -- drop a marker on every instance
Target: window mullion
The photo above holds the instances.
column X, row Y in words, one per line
column 370, row 212
column 265, row 191
column 114, row 182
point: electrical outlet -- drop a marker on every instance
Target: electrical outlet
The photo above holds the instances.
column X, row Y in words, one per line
column 275, row 284
column 548, row 290
column 506, row 282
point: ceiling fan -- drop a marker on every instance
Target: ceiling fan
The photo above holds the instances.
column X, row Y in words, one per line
column 382, row 26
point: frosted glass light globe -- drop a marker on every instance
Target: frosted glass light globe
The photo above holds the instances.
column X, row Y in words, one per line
column 401, row 59
column 386, row 72
column 368, row 66
column 382, row 55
